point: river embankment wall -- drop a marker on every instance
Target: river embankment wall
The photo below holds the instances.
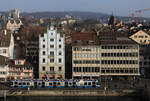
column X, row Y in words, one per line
column 59, row 92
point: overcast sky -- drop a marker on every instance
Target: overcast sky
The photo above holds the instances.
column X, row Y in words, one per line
column 120, row 7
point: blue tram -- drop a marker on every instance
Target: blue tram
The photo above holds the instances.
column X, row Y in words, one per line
column 22, row 84
column 55, row 84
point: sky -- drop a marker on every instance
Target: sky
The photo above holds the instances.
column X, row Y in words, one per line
column 119, row 7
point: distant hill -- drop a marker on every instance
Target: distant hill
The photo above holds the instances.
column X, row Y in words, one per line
column 75, row 14
column 62, row 14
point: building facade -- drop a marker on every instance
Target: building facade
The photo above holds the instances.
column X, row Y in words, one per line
column 13, row 24
column 85, row 56
column 3, row 68
column 20, row 69
column 14, row 14
column 143, row 39
column 106, row 56
column 6, row 44
column 51, row 55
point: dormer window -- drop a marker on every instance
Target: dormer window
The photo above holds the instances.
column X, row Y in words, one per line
column 18, row 62
column 135, row 36
column 78, row 41
column 90, row 42
column 140, row 36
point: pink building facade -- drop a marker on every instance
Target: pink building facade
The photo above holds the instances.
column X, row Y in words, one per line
column 20, row 69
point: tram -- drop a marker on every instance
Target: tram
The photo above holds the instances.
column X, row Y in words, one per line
column 54, row 84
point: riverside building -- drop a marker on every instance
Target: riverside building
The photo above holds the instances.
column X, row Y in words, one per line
column 51, row 55
column 143, row 39
column 108, row 55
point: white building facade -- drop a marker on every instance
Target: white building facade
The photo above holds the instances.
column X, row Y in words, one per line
column 7, row 45
column 51, row 55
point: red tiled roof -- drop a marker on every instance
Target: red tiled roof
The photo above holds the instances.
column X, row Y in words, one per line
column 115, row 38
column 84, row 39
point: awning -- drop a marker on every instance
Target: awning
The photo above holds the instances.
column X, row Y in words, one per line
column 51, row 76
column 44, row 76
column 59, row 76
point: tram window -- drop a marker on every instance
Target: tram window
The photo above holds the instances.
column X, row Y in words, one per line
column 54, row 83
column 20, row 83
column 50, row 84
column 89, row 83
column 16, row 82
column 39, row 83
column 74, row 83
column 85, row 83
column 24, row 83
column 35, row 83
column 28, row 83
column 70, row 83
column 11, row 83
column 66, row 83
column 58, row 83
column 93, row 83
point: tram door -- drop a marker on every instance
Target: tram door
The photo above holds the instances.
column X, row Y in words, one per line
column 93, row 84
column 15, row 84
column 54, row 83
column 43, row 84
column 74, row 84
column 66, row 84
column 35, row 84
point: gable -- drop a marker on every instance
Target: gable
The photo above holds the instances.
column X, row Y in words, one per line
column 141, row 37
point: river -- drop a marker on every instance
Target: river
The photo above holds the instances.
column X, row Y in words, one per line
column 71, row 99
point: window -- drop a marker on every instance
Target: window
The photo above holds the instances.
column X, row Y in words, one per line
column 42, row 35
column 51, row 68
column 59, row 60
column 18, row 62
column 51, row 46
column 140, row 36
column 144, row 41
column 43, row 46
column 51, row 40
column 52, row 60
column 43, row 68
column 51, row 53
column 59, row 68
column 43, row 40
column 59, row 53
column 97, row 69
column 43, row 60
column 4, row 50
column 135, row 36
column 59, row 46
column 51, row 33
column 43, row 52
column 59, row 40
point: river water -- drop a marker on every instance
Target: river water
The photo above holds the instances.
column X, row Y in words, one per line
column 72, row 99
